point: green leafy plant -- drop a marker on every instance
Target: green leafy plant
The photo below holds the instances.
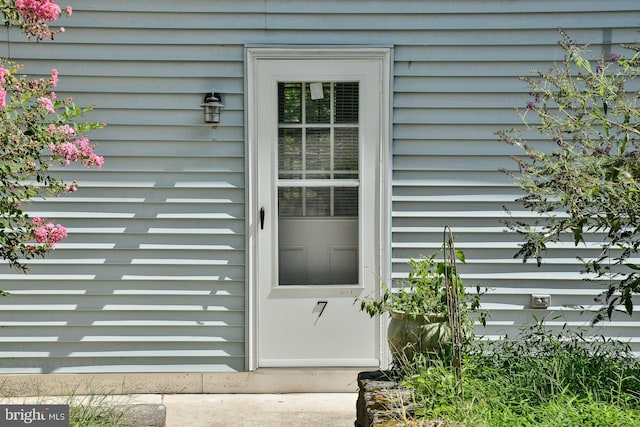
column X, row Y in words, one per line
column 425, row 290
column 541, row 377
column 583, row 176
column 423, row 321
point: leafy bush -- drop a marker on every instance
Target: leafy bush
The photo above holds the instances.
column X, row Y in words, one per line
column 579, row 165
column 425, row 290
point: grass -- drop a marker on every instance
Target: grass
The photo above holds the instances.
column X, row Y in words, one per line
column 540, row 379
column 96, row 408
column 95, row 411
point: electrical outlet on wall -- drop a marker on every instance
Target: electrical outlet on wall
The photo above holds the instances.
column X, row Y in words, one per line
column 540, row 301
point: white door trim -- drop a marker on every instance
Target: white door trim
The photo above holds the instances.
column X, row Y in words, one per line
column 253, row 55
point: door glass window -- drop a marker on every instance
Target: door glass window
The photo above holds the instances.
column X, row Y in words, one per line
column 318, row 182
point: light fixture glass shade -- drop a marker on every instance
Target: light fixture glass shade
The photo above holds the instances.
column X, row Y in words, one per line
column 212, row 107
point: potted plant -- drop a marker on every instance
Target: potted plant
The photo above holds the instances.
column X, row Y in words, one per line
column 419, row 310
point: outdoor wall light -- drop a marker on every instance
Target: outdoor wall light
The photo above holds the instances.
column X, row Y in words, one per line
column 212, row 105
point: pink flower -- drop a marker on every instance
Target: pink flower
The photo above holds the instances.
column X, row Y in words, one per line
column 3, row 97
column 68, row 10
column 3, row 74
column 54, row 77
column 86, row 154
column 65, row 151
column 64, row 130
column 29, row 249
column 48, row 105
column 98, row 161
column 41, row 234
column 36, row 220
column 50, row 234
column 38, row 10
column 57, row 234
column 78, row 150
column 71, row 188
column 33, row 16
column 67, row 130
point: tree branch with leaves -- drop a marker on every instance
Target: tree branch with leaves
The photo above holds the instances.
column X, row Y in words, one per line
column 37, row 131
column 579, row 166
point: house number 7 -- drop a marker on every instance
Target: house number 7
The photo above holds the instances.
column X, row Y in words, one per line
column 324, row 305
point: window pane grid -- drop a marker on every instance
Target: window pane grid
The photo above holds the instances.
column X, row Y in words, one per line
column 318, row 142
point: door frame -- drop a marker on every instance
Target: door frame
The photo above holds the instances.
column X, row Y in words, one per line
column 383, row 214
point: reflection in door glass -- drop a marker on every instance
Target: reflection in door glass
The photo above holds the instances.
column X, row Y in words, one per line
column 318, row 153
column 290, row 103
column 318, row 110
column 318, row 183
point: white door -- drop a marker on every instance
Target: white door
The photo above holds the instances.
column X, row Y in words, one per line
column 318, row 125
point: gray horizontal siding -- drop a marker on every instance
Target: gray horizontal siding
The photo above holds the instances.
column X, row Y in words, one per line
column 449, row 100
column 152, row 276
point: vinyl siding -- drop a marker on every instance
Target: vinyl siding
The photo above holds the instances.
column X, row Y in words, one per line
column 152, row 277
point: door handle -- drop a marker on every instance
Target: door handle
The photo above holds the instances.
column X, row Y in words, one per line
column 261, row 218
